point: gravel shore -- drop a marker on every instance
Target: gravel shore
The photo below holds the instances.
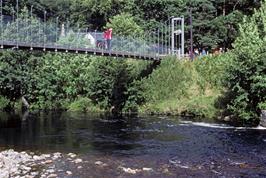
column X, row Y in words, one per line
column 30, row 165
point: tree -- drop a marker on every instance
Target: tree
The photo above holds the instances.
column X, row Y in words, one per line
column 108, row 83
column 247, row 74
column 124, row 25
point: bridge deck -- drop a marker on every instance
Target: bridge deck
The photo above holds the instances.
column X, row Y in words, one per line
column 92, row 51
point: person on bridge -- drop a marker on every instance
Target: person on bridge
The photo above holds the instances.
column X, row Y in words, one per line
column 108, row 37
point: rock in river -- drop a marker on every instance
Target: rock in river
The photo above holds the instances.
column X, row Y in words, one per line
column 263, row 118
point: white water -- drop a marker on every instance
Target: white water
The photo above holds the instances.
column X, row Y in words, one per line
column 219, row 126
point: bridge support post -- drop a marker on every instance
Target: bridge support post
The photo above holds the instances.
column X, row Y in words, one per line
column 17, row 9
column 177, row 31
column 56, row 33
column 31, row 8
column 2, row 31
column 44, row 31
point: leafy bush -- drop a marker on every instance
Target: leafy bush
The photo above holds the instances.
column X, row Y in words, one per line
column 246, row 78
column 125, row 25
column 185, row 87
column 108, row 82
column 212, row 68
column 262, row 106
column 84, row 105
column 4, row 102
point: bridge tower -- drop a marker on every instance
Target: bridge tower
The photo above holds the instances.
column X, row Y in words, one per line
column 177, row 37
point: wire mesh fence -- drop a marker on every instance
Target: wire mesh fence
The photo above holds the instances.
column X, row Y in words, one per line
column 25, row 29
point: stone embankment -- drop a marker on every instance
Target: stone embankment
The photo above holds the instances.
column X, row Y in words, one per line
column 30, row 165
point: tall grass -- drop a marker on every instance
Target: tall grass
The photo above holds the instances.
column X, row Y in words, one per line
column 178, row 87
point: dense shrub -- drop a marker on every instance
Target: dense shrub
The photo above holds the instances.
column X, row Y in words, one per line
column 247, row 74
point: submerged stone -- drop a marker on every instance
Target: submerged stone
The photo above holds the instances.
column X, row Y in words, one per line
column 263, row 118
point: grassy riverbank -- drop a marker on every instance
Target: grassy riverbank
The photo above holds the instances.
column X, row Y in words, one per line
column 179, row 87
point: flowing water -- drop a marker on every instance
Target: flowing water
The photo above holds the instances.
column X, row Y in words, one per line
column 161, row 146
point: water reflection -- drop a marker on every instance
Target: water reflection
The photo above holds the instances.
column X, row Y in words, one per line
column 69, row 131
column 86, row 133
column 141, row 140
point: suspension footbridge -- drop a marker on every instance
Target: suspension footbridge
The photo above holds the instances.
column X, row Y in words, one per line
column 23, row 30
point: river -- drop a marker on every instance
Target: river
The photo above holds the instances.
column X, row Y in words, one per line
column 149, row 146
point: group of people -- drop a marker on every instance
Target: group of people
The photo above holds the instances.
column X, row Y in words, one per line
column 203, row 52
column 198, row 52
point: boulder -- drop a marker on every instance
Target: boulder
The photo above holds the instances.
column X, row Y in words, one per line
column 263, row 118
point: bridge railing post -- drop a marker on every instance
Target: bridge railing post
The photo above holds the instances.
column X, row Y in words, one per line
column 26, row 27
column 95, row 45
column 67, row 33
column 56, row 33
column 31, row 18
column 44, row 31
column 17, row 22
column 77, row 40
column 86, row 33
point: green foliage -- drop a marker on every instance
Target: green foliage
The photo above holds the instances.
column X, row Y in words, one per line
column 185, row 87
column 212, row 68
column 108, row 83
column 203, row 106
column 53, row 80
column 247, row 74
column 14, row 68
column 83, row 105
column 28, row 29
column 76, row 40
column 4, row 102
column 215, row 23
column 124, row 25
column 262, row 106
column 135, row 97
column 162, row 84
column 56, row 80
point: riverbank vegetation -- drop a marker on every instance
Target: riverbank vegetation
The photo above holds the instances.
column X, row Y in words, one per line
column 186, row 87
column 246, row 76
column 88, row 83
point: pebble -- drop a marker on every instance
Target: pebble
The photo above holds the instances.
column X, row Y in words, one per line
column 69, row 172
column 29, row 176
column 37, row 157
column 58, row 154
column 147, row 169
column 48, row 161
column 26, row 168
column 77, row 161
column 50, row 171
column 34, row 173
column 98, row 163
column 129, row 170
column 52, row 176
column 46, row 155
column 71, row 155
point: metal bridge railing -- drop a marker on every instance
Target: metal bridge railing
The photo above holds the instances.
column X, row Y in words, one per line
column 27, row 30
